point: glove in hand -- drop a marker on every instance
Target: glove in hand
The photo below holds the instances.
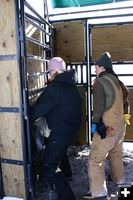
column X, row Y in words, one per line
column 127, row 118
column 93, row 128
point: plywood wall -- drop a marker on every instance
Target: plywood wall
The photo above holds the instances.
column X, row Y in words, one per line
column 7, row 36
column 10, row 123
column 117, row 39
column 70, row 40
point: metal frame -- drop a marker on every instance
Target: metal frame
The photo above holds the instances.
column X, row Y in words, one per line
column 22, row 57
column 94, row 8
column 90, row 63
column 95, row 16
column 9, row 109
column 90, row 18
column 88, row 59
column 19, row 60
column 90, row 11
column 1, row 182
column 13, row 162
column 88, row 55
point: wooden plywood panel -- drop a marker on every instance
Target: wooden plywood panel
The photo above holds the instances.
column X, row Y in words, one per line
column 10, row 136
column 10, row 126
column 129, row 132
column 7, row 27
column 9, row 84
column 13, row 180
column 118, row 40
column 70, row 40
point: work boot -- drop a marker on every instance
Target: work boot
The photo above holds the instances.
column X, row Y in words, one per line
column 89, row 196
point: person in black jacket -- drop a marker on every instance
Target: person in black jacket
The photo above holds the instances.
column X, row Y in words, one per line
column 61, row 104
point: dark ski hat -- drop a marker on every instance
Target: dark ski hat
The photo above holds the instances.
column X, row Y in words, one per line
column 105, row 60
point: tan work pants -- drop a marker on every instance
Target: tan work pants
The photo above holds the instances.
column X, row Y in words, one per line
column 100, row 149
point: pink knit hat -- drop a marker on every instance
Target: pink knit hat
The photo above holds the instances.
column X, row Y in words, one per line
column 56, row 63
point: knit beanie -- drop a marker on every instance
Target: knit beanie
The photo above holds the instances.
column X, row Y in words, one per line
column 105, row 60
column 56, row 63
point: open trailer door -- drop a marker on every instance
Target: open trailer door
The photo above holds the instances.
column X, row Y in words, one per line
column 104, row 36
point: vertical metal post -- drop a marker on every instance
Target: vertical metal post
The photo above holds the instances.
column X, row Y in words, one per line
column 23, row 85
column 88, row 64
column 1, row 183
column 26, row 100
column 17, row 4
column 24, row 65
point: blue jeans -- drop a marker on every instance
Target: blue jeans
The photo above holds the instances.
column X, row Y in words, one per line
column 55, row 151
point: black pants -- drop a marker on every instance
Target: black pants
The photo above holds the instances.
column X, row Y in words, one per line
column 66, row 167
column 55, row 151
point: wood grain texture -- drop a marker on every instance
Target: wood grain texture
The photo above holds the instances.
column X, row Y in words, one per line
column 7, row 27
column 118, row 40
column 10, row 123
column 13, row 180
column 70, row 40
column 9, row 89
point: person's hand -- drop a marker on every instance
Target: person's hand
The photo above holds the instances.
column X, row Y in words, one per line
column 93, row 128
column 127, row 118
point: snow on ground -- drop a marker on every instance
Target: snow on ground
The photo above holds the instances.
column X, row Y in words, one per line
column 80, row 185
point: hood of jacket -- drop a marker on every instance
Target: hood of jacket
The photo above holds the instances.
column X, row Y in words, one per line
column 67, row 77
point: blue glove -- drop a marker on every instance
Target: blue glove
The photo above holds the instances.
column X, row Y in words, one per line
column 93, row 128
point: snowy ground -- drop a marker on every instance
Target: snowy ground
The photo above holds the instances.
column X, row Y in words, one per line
column 80, row 183
column 78, row 157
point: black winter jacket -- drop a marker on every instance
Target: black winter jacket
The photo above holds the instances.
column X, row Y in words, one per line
column 60, row 103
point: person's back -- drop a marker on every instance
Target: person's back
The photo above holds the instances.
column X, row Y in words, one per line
column 68, row 110
column 113, row 111
column 61, row 104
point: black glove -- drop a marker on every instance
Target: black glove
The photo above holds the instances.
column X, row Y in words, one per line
column 39, row 139
column 101, row 129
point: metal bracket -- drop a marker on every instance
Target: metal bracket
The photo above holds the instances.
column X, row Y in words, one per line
column 9, row 109
column 8, row 57
column 9, row 161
